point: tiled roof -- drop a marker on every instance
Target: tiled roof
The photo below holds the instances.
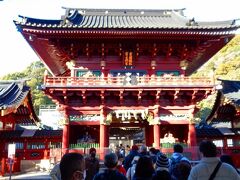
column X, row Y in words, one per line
column 10, row 134
column 124, row 19
column 12, row 93
column 226, row 131
column 12, row 97
column 226, row 112
column 231, row 90
column 48, row 133
column 236, row 131
column 38, row 134
column 208, row 132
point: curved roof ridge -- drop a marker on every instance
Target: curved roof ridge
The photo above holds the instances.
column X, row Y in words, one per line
column 125, row 11
column 218, row 23
column 27, row 19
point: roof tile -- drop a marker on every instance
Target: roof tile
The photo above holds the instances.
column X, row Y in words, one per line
column 120, row 18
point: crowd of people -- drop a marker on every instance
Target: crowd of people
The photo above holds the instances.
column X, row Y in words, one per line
column 143, row 164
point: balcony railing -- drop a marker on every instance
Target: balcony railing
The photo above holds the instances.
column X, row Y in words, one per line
column 128, row 81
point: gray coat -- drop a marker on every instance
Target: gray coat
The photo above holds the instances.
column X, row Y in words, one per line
column 204, row 169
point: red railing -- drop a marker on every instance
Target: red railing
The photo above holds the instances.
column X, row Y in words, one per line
column 125, row 81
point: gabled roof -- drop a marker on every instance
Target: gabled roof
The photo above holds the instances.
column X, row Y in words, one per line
column 124, row 19
column 208, row 132
column 216, row 132
column 226, row 112
column 12, row 94
column 15, row 97
column 231, row 90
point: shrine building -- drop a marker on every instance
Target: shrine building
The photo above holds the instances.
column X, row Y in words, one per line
column 19, row 125
column 223, row 123
column 117, row 72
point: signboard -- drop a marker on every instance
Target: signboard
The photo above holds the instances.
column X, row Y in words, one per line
column 11, row 150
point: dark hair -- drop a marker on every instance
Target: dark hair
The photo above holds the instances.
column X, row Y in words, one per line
column 91, row 150
column 208, row 149
column 178, row 148
column 153, row 150
column 70, row 163
column 183, row 170
column 163, row 175
column 144, row 167
column 110, row 160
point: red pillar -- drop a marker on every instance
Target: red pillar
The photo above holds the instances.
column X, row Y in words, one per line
column 104, row 140
column 45, row 153
column 156, row 134
column 3, row 166
column 65, row 139
column 149, row 135
column 192, row 140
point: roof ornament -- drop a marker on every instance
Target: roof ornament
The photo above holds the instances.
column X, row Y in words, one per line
column 71, row 17
column 192, row 22
column 184, row 64
column 24, row 20
column 70, row 64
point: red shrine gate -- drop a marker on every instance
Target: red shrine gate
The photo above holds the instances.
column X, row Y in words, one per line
column 126, row 68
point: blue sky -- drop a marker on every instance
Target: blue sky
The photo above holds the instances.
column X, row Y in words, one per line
column 16, row 54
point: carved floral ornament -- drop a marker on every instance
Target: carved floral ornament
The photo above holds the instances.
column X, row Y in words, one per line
column 184, row 64
column 70, row 64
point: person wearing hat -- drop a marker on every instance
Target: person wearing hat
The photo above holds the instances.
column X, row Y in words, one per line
column 91, row 164
column 162, row 168
column 111, row 172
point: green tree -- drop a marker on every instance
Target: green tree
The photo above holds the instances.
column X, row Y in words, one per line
column 224, row 65
column 34, row 76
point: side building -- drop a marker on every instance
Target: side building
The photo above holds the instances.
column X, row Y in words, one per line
column 223, row 124
column 19, row 125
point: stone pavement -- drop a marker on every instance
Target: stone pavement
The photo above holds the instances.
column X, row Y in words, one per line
column 44, row 175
